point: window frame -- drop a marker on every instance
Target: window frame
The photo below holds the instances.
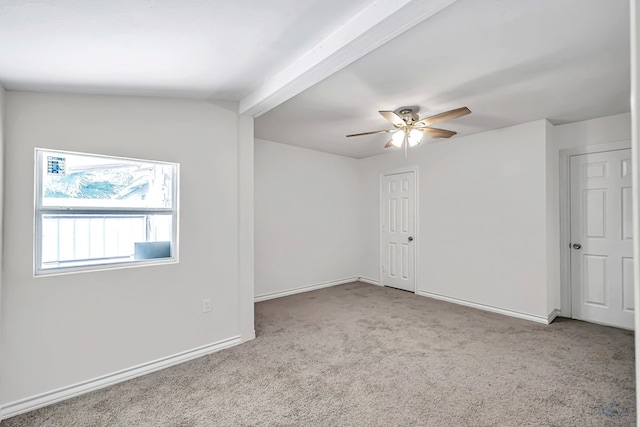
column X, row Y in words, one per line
column 40, row 211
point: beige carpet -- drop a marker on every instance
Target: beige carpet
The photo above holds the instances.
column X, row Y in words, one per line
column 362, row 355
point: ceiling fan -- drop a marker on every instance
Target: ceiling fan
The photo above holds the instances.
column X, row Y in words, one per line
column 409, row 130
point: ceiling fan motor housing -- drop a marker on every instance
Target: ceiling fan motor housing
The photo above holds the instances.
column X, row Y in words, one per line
column 408, row 115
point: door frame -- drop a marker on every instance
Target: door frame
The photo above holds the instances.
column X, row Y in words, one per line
column 396, row 171
column 565, row 214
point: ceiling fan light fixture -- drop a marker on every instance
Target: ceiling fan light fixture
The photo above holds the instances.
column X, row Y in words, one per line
column 415, row 136
column 397, row 138
column 409, row 130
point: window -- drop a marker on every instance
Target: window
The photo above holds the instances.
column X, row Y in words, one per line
column 96, row 212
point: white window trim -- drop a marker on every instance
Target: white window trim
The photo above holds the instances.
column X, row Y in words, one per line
column 40, row 211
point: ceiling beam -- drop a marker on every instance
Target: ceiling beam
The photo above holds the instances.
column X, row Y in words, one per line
column 375, row 25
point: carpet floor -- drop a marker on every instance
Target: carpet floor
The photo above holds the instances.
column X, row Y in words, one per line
column 363, row 355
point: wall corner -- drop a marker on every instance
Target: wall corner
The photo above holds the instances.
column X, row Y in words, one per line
column 552, row 178
column 246, row 265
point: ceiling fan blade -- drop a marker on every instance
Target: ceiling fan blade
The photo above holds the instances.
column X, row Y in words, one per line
column 447, row 115
column 438, row 133
column 372, row 133
column 389, row 144
column 393, row 118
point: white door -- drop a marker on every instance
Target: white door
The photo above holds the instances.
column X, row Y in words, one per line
column 398, row 231
column 601, row 238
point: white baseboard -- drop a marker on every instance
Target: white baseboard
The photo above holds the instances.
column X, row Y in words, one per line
column 250, row 336
column 369, row 281
column 552, row 316
column 538, row 319
column 64, row 393
column 308, row 288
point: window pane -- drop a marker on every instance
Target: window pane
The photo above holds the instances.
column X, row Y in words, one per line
column 77, row 180
column 78, row 239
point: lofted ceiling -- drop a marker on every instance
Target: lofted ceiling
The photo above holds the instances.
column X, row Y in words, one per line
column 218, row 49
column 313, row 71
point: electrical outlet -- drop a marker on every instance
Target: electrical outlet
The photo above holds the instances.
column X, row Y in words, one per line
column 206, row 305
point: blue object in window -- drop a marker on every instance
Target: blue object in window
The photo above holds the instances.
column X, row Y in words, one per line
column 152, row 250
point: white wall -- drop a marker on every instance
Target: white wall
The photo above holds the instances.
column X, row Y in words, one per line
column 483, row 221
column 306, row 218
column 487, row 224
column 592, row 132
column 60, row 330
column 2, row 127
column 462, row 182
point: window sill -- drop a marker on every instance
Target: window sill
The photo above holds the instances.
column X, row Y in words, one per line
column 116, row 265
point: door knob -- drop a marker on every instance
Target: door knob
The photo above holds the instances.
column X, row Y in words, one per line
column 410, row 238
column 577, row 246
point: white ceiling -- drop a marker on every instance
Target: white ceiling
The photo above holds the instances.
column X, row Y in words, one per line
column 509, row 61
column 222, row 49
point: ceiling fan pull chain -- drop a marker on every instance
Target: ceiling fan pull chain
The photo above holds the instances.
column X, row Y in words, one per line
column 406, row 145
